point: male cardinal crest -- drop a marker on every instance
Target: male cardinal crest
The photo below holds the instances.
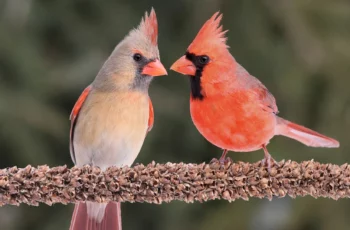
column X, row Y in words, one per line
column 232, row 109
column 112, row 116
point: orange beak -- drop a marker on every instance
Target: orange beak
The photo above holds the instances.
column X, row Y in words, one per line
column 154, row 69
column 184, row 66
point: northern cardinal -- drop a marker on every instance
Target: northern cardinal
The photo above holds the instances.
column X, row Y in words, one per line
column 111, row 118
column 231, row 108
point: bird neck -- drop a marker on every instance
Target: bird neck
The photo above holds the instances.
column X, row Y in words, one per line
column 141, row 82
column 216, row 79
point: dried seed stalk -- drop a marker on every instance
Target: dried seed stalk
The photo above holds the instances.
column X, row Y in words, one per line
column 157, row 183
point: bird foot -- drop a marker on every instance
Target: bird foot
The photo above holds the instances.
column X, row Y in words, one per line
column 221, row 161
column 226, row 160
column 268, row 162
column 214, row 160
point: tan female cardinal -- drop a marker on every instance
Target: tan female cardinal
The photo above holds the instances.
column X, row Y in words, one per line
column 111, row 118
column 232, row 109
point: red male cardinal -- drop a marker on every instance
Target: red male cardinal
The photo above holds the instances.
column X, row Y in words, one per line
column 232, row 109
column 111, row 118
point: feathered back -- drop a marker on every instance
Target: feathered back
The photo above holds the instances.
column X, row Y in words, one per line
column 149, row 26
column 211, row 35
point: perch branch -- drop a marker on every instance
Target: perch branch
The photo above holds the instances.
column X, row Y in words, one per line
column 157, row 183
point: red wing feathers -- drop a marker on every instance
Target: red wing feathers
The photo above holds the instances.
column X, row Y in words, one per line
column 79, row 103
column 267, row 99
column 73, row 117
column 262, row 94
column 151, row 116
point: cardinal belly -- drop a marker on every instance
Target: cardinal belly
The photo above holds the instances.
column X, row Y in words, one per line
column 233, row 126
column 112, row 134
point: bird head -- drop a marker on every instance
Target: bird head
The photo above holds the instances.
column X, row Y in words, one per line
column 135, row 60
column 206, row 57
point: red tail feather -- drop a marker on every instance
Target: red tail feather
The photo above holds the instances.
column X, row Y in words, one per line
column 304, row 135
column 111, row 219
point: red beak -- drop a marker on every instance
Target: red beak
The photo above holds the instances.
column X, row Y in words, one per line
column 184, row 66
column 154, row 69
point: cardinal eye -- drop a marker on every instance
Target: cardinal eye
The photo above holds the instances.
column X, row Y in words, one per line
column 137, row 57
column 204, row 59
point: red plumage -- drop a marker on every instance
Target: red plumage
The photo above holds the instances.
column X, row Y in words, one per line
column 232, row 109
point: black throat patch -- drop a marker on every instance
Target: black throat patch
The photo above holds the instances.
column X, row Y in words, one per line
column 195, row 80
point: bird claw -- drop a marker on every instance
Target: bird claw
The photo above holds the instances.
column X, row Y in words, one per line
column 214, row 160
column 268, row 162
column 222, row 161
column 226, row 160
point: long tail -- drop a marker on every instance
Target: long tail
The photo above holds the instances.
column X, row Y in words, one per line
column 94, row 216
column 304, row 135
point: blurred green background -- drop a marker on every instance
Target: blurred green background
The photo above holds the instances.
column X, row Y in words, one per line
column 51, row 50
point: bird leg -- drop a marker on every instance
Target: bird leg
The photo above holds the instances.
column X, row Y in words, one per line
column 268, row 161
column 223, row 158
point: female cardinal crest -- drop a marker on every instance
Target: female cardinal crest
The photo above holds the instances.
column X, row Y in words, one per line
column 149, row 26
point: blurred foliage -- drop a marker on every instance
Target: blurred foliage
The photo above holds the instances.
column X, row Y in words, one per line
column 50, row 50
